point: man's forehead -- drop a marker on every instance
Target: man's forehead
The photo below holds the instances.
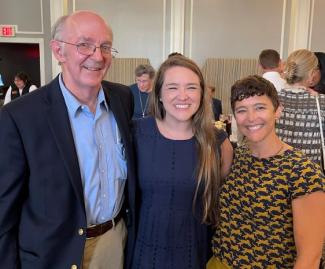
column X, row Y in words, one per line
column 143, row 76
column 82, row 32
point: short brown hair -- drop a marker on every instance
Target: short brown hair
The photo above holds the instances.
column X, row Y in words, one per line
column 252, row 86
column 269, row 59
column 174, row 54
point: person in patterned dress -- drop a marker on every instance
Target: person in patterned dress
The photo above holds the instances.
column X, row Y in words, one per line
column 272, row 203
column 299, row 123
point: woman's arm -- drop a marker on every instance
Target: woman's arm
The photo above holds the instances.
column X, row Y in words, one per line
column 226, row 157
column 309, row 229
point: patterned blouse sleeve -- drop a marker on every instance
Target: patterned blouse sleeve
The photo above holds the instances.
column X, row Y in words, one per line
column 307, row 178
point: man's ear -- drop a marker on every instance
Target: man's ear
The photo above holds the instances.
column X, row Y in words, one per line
column 57, row 50
column 260, row 66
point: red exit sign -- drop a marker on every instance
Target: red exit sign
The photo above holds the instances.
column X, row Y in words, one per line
column 7, row 30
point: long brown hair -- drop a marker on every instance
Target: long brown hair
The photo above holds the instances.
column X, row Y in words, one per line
column 208, row 167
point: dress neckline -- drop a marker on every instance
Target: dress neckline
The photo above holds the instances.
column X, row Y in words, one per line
column 166, row 138
column 268, row 159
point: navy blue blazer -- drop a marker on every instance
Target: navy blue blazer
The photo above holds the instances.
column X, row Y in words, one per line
column 41, row 194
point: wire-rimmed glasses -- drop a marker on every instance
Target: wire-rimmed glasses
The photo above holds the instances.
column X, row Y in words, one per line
column 89, row 49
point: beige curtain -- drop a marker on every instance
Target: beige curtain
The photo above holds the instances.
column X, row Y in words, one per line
column 122, row 70
column 222, row 73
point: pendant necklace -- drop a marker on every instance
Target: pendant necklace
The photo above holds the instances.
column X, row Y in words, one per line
column 143, row 109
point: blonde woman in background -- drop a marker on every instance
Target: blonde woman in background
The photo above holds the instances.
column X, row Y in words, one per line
column 299, row 124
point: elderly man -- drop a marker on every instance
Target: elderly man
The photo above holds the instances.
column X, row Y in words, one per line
column 144, row 75
column 66, row 158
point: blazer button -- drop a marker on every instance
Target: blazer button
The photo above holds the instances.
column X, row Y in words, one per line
column 74, row 266
column 80, row 232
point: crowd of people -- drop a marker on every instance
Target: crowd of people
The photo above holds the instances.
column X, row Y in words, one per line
column 95, row 174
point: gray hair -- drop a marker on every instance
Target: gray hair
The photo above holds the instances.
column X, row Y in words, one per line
column 57, row 27
column 144, row 69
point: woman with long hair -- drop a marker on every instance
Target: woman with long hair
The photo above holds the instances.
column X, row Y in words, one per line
column 181, row 160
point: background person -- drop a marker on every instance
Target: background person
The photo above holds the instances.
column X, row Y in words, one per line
column 144, row 75
column 216, row 103
column 22, row 85
column 179, row 153
column 320, row 76
column 299, row 124
column 66, row 158
column 273, row 201
column 272, row 67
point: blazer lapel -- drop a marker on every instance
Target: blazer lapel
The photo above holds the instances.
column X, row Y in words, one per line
column 59, row 123
column 116, row 107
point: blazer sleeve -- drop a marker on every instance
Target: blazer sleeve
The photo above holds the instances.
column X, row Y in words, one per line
column 13, row 172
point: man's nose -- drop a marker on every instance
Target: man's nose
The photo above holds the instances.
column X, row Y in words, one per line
column 98, row 53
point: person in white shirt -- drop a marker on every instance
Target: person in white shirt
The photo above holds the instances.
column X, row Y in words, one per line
column 22, row 85
column 272, row 66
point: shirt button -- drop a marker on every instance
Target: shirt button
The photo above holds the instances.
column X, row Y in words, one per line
column 73, row 266
column 80, row 232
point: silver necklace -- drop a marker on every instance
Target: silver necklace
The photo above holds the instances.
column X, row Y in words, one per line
column 143, row 109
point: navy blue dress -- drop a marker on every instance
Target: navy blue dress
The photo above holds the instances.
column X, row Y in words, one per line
column 170, row 233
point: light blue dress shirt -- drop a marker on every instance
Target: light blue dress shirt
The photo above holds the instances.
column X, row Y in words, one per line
column 101, row 156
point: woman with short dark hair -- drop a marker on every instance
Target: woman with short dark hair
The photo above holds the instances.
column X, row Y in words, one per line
column 272, row 203
column 22, row 85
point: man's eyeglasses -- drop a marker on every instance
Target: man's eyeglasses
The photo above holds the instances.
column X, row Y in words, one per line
column 141, row 81
column 89, row 49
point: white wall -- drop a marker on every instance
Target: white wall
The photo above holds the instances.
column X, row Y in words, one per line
column 235, row 28
column 210, row 28
column 318, row 34
column 137, row 25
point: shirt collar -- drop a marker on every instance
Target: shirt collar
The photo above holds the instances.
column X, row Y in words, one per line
column 72, row 103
